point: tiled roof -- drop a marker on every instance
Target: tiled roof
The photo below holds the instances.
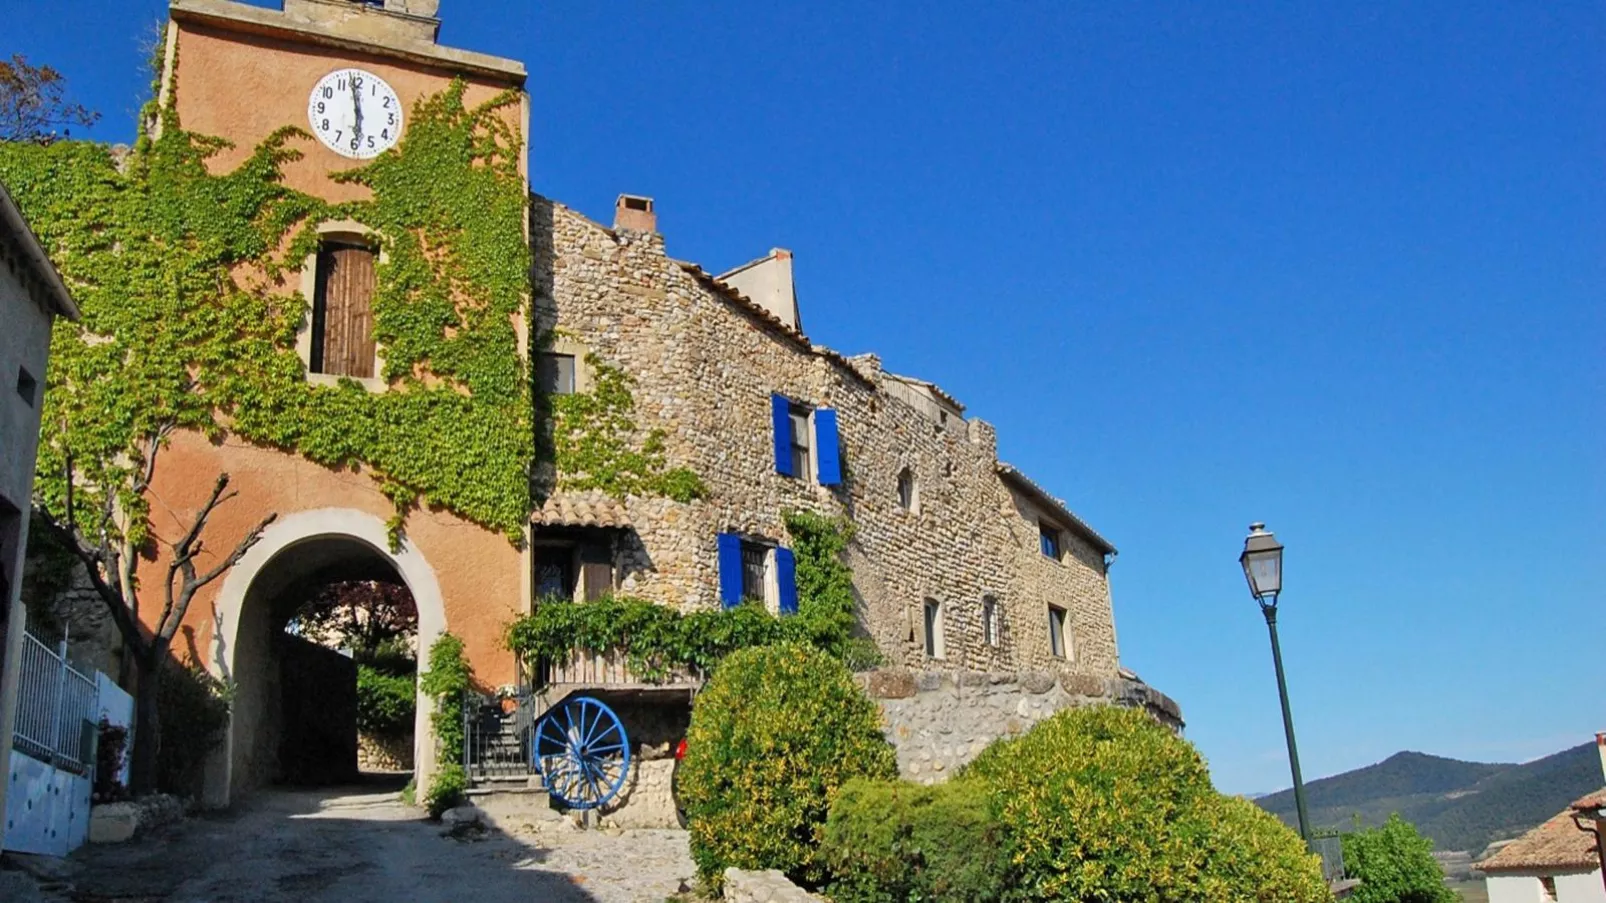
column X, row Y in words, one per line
column 581, row 509
column 1056, row 508
column 1596, row 800
column 1556, row 844
column 933, row 387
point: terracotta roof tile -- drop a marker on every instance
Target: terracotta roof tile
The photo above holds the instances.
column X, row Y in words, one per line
column 581, row 509
column 1556, row 844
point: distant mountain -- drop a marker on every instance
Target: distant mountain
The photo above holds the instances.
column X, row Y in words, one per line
column 1461, row 805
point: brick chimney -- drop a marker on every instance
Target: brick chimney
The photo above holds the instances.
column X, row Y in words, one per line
column 635, row 213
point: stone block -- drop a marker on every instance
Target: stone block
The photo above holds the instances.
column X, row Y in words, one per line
column 1079, row 684
column 890, row 684
column 768, row 886
column 1036, row 682
column 114, row 823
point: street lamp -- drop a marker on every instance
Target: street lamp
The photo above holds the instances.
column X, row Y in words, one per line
column 1262, row 561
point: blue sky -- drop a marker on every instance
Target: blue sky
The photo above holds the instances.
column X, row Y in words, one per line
column 1337, row 268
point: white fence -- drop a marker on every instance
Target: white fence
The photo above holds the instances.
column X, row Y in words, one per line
column 56, row 709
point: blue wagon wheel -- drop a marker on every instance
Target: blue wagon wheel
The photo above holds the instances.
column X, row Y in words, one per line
column 582, row 752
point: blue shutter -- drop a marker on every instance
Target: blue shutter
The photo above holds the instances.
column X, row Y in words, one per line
column 730, row 570
column 786, row 576
column 826, row 446
column 781, row 417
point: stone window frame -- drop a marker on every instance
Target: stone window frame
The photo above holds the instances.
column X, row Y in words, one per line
column 1050, row 536
column 337, row 230
column 1061, row 640
column 911, row 505
column 563, row 345
column 990, row 634
column 931, row 622
column 805, row 443
column 771, row 578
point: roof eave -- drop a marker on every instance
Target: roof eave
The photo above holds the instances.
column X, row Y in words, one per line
column 1038, row 494
column 38, row 260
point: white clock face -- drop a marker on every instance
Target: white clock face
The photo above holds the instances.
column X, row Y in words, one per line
column 355, row 113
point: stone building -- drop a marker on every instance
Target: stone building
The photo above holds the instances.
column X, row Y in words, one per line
column 32, row 296
column 960, row 561
column 962, row 564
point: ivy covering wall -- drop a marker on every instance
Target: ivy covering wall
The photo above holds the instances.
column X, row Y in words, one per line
column 657, row 640
column 181, row 276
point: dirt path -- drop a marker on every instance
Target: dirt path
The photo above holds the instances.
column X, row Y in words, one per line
column 307, row 846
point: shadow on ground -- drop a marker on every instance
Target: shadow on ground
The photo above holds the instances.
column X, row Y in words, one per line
column 348, row 844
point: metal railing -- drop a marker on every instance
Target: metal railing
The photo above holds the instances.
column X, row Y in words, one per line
column 55, row 708
column 496, row 736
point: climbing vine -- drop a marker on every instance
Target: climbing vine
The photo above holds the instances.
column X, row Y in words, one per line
column 657, row 640
column 596, row 443
column 181, row 272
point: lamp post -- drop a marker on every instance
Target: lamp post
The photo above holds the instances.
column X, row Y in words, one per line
column 1262, row 562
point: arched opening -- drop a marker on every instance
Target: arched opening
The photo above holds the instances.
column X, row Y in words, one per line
column 295, row 669
column 294, row 656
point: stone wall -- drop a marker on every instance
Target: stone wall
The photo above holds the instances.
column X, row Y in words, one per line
column 382, row 752
column 705, row 364
column 940, row 720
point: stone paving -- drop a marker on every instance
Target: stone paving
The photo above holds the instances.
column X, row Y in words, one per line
column 365, row 846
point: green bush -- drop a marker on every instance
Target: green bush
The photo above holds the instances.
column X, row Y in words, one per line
column 773, row 736
column 890, row 841
column 1395, row 864
column 385, row 702
column 193, row 707
column 445, row 789
column 1102, row 803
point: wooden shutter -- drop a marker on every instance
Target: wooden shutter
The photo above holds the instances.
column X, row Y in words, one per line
column 781, row 417
column 730, row 570
column 342, row 311
column 827, row 450
column 786, row 577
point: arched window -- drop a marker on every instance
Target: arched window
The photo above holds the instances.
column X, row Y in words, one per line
column 908, row 492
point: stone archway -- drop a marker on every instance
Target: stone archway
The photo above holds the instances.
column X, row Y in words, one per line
column 297, row 550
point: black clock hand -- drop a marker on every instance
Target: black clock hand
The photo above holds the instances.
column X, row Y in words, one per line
column 356, row 107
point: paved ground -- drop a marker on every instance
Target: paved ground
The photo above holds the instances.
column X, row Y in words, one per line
column 365, row 846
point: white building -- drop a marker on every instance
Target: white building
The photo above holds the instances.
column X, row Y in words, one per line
column 1557, row 862
column 32, row 295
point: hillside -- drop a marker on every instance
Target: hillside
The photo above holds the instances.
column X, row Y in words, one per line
column 1461, row 805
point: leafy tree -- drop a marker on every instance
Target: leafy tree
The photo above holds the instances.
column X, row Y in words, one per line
column 1395, row 865
column 34, row 104
column 774, row 736
column 371, row 618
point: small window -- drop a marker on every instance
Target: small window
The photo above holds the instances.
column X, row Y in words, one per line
column 555, row 374
column 989, row 620
column 1049, row 539
column 908, row 496
column 27, row 386
column 800, row 441
column 1547, row 889
column 934, row 638
column 342, row 311
column 755, row 559
column 554, row 571
column 1056, row 632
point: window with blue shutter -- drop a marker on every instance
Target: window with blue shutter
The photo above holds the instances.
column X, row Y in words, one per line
column 781, row 418
column 730, row 570
column 827, row 448
column 786, row 578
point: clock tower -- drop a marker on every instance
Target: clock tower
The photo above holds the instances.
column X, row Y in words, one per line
column 346, row 71
column 352, row 77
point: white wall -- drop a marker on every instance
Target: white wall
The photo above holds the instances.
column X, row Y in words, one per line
column 24, row 342
column 1574, row 887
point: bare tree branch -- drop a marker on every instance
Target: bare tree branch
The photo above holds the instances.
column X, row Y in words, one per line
column 121, row 612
